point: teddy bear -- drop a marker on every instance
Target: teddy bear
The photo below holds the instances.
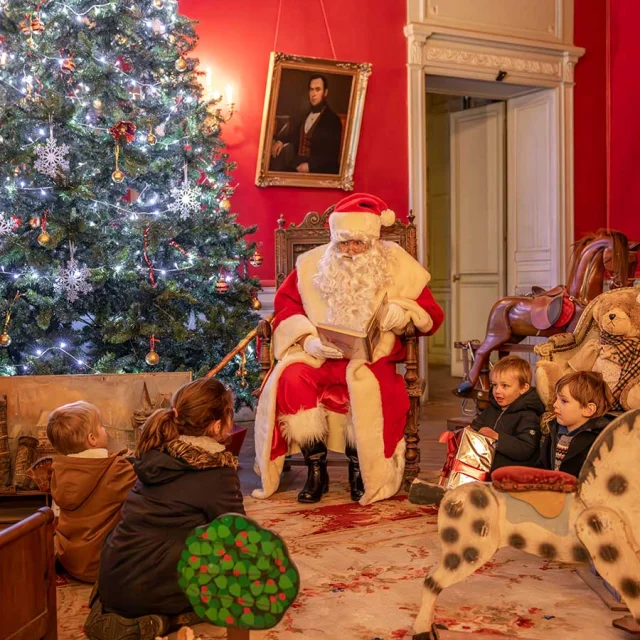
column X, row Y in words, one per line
column 615, row 353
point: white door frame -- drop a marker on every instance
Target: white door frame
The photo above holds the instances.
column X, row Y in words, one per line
column 446, row 51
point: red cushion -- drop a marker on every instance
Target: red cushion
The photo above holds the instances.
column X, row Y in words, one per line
column 529, row 479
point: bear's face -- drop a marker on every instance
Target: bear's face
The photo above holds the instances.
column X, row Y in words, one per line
column 617, row 322
column 619, row 314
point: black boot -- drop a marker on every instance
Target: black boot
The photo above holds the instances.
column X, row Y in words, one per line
column 355, row 477
column 315, row 457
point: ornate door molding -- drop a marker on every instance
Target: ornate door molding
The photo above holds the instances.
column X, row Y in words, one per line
column 435, row 49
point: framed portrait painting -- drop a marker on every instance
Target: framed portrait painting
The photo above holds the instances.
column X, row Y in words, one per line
column 311, row 122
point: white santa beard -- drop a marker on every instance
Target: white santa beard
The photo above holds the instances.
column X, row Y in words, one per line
column 350, row 284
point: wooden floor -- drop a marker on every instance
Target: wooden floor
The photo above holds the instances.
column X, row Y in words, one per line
column 442, row 405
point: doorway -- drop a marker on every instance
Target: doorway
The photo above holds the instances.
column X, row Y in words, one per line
column 493, row 224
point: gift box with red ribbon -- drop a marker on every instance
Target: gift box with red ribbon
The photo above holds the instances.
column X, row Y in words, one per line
column 469, row 457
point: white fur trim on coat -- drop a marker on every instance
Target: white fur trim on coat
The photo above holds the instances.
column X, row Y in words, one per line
column 97, row 452
column 305, row 427
column 382, row 476
column 367, row 224
column 289, row 331
column 203, row 442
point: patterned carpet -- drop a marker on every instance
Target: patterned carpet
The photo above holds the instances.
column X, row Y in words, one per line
column 362, row 570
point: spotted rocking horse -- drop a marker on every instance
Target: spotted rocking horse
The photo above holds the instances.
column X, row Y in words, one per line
column 557, row 310
column 594, row 518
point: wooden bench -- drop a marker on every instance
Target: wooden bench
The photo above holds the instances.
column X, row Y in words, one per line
column 28, row 579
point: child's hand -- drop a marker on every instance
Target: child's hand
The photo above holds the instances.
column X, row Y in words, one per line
column 487, row 431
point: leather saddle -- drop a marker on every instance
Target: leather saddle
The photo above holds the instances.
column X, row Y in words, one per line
column 546, row 306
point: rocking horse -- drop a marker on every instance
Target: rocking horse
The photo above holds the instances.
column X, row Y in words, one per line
column 594, row 518
column 557, row 310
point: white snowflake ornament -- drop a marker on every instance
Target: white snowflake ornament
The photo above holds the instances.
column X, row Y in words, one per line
column 186, row 200
column 72, row 280
column 7, row 225
column 52, row 159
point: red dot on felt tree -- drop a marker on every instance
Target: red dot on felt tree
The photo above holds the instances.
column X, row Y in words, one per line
column 282, row 569
column 246, row 610
column 205, row 535
column 244, row 534
column 221, row 552
column 236, row 573
column 282, row 596
column 204, row 568
column 270, row 581
column 244, row 549
column 193, row 558
column 256, row 582
column 204, row 588
column 239, row 543
column 278, row 561
column 204, row 598
column 229, row 620
column 227, row 558
column 272, row 598
column 241, row 601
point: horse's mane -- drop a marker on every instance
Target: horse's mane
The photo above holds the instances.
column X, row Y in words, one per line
column 619, row 252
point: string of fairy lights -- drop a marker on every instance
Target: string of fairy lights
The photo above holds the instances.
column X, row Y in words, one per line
column 146, row 209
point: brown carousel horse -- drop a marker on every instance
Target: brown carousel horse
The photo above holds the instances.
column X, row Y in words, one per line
column 545, row 313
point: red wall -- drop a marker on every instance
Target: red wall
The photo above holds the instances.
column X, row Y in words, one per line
column 625, row 117
column 590, row 177
column 235, row 41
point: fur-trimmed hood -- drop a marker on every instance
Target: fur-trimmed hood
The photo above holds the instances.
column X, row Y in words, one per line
column 180, row 456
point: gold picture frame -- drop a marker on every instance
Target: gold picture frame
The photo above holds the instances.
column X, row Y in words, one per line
column 309, row 104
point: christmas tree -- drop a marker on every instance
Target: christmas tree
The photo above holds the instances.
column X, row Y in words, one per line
column 119, row 249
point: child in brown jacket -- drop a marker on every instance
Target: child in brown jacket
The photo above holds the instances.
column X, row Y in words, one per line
column 88, row 485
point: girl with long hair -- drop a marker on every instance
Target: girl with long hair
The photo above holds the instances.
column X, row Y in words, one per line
column 186, row 478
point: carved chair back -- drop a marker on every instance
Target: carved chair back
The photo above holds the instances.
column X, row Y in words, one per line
column 313, row 231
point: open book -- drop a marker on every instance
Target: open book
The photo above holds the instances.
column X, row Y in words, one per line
column 356, row 344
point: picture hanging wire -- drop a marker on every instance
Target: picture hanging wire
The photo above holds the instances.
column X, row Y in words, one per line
column 326, row 24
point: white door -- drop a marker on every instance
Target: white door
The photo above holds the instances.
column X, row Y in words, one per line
column 534, row 238
column 477, row 221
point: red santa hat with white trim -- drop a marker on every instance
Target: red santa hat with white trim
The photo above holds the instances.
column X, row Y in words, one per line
column 360, row 214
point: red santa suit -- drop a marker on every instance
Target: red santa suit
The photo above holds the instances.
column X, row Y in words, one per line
column 367, row 402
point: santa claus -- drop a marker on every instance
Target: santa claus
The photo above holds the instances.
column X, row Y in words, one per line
column 315, row 399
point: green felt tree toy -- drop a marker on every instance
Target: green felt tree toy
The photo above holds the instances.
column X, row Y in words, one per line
column 119, row 247
column 237, row 574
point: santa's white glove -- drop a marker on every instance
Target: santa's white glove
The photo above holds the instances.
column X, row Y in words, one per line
column 314, row 347
column 395, row 318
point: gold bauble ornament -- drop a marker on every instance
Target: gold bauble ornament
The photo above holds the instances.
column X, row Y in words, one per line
column 225, row 204
column 181, row 64
column 44, row 239
column 35, row 222
column 158, row 4
column 256, row 259
column 222, row 286
column 152, row 358
column 117, row 176
column 151, row 139
column 256, row 305
column 121, row 38
column 5, row 340
column 97, row 104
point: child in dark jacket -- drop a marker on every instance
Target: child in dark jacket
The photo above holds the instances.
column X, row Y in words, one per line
column 513, row 414
column 583, row 398
column 186, row 478
column 512, row 418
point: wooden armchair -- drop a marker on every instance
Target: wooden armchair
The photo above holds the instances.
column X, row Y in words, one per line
column 312, row 232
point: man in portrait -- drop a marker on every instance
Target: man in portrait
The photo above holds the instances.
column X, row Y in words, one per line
column 312, row 144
